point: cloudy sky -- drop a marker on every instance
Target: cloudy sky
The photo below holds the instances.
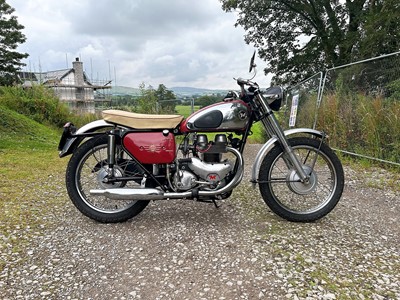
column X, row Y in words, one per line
column 176, row 42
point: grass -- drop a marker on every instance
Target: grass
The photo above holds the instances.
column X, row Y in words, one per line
column 185, row 110
column 375, row 175
column 362, row 124
column 18, row 131
column 29, row 161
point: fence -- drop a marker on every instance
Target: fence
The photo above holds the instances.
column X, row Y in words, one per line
column 301, row 107
column 357, row 104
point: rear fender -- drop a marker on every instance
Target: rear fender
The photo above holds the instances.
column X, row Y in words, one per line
column 271, row 143
column 70, row 141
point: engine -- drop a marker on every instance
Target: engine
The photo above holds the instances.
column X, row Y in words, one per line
column 206, row 168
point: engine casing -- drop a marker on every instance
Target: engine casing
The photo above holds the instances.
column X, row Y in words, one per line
column 211, row 172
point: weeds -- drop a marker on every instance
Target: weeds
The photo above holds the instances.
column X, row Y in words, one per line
column 363, row 124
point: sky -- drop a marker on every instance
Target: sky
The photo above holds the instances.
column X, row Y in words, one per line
column 189, row 43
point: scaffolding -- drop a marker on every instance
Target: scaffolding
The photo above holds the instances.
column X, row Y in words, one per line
column 72, row 87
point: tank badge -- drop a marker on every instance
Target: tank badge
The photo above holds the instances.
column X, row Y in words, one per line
column 242, row 114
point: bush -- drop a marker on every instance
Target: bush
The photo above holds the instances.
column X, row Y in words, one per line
column 38, row 103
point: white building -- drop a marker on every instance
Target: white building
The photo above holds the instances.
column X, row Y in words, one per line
column 71, row 86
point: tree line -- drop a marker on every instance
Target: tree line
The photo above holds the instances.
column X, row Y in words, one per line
column 160, row 100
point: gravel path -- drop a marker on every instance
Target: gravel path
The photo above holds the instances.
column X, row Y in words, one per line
column 178, row 250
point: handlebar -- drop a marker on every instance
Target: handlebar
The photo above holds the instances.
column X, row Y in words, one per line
column 241, row 81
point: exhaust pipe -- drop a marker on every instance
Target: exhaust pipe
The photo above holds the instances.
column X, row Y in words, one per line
column 130, row 194
column 156, row 194
column 139, row 194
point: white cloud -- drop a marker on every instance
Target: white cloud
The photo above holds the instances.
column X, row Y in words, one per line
column 176, row 42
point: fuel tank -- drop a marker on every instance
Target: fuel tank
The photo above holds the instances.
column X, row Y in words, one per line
column 223, row 116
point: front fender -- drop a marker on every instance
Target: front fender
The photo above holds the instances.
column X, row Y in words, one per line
column 71, row 142
column 270, row 144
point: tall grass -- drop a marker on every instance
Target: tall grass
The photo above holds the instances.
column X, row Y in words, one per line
column 363, row 124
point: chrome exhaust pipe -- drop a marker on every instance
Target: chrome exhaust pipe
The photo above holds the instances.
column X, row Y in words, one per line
column 138, row 194
column 130, row 194
column 156, row 194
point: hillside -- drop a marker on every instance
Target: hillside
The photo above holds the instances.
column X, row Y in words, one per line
column 179, row 91
column 124, row 90
column 19, row 131
column 190, row 91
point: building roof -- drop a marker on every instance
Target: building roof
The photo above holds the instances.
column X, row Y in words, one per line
column 55, row 78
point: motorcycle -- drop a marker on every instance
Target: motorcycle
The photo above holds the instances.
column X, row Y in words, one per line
column 123, row 161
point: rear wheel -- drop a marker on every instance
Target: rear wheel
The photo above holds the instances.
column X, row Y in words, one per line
column 87, row 170
column 292, row 199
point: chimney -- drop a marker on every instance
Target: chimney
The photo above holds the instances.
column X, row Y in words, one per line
column 78, row 70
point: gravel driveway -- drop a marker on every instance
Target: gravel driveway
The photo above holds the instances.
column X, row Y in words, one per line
column 189, row 250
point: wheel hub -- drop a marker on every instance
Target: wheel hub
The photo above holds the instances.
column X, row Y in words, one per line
column 104, row 173
column 302, row 188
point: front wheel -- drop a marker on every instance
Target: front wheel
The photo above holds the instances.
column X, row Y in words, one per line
column 292, row 199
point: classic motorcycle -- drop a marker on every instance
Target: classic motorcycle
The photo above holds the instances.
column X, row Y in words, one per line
column 122, row 162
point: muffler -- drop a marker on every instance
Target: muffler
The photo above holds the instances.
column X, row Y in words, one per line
column 139, row 194
column 130, row 194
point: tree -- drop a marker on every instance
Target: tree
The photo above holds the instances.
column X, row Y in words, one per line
column 10, row 37
column 298, row 38
column 206, row 100
column 156, row 101
column 165, row 99
column 381, row 29
column 147, row 101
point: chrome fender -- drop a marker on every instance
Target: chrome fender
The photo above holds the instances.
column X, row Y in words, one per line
column 93, row 126
column 270, row 144
column 73, row 141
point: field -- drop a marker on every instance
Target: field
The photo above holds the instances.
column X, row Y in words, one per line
column 185, row 110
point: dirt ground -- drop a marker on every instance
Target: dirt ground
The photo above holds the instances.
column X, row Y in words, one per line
column 188, row 250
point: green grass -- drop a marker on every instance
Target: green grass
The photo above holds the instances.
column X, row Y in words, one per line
column 185, row 110
column 362, row 124
column 29, row 161
column 19, row 131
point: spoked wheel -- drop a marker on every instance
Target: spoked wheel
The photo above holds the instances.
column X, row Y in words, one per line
column 292, row 199
column 88, row 170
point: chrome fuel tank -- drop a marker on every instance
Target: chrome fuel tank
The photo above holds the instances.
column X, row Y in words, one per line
column 223, row 116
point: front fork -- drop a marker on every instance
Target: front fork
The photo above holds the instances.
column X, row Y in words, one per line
column 274, row 129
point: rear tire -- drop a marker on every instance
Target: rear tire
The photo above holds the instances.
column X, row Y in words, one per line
column 85, row 171
column 296, row 201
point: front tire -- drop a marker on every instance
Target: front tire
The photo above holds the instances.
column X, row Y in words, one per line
column 293, row 200
column 86, row 170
